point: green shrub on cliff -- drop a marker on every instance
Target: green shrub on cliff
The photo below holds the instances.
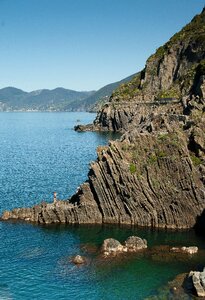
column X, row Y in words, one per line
column 152, row 158
column 196, row 160
column 128, row 90
column 133, row 168
column 173, row 92
column 161, row 154
column 163, row 137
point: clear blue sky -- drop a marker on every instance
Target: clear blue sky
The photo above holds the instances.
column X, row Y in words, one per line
column 83, row 44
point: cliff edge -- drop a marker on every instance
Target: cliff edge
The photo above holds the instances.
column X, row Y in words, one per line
column 176, row 72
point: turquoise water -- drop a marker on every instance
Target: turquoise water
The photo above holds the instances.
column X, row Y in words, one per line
column 40, row 153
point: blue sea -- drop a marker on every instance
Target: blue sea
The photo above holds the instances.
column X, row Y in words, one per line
column 41, row 153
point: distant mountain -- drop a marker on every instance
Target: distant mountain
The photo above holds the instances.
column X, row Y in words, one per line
column 41, row 100
column 97, row 99
column 59, row 99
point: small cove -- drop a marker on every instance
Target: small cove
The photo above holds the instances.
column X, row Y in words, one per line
column 40, row 153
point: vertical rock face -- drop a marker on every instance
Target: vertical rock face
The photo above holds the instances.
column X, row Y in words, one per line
column 124, row 116
column 114, row 118
column 175, row 72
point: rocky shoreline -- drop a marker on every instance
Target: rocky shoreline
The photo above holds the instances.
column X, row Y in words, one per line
column 155, row 174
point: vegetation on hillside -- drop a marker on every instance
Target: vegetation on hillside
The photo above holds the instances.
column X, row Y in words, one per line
column 189, row 45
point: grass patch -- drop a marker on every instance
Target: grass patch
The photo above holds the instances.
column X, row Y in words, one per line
column 161, row 154
column 125, row 147
column 196, row 160
column 152, row 158
column 163, row 137
column 133, row 168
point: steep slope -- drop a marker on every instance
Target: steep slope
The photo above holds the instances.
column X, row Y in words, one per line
column 95, row 101
column 175, row 72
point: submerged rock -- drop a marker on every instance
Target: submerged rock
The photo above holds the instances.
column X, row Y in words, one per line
column 78, row 260
column 189, row 250
column 173, row 290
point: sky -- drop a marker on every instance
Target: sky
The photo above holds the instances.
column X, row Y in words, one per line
column 83, row 44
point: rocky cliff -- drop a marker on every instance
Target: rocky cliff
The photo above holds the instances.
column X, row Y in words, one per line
column 155, row 174
column 175, row 72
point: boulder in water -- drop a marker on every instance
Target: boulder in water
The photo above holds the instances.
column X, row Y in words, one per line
column 112, row 246
column 135, row 243
column 78, row 260
column 132, row 244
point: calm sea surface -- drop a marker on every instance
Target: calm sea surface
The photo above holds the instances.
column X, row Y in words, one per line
column 40, row 153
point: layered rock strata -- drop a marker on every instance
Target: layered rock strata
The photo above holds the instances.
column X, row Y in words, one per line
column 154, row 176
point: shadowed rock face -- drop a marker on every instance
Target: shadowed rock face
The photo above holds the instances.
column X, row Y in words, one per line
column 195, row 283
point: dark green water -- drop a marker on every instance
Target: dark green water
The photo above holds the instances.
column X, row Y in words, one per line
column 40, row 153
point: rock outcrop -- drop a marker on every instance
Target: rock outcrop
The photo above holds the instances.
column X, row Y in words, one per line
column 112, row 247
column 195, row 283
column 189, row 250
column 175, row 72
column 135, row 243
column 155, row 174
column 132, row 244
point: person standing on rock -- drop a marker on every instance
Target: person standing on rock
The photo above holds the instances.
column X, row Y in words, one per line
column 54, row 197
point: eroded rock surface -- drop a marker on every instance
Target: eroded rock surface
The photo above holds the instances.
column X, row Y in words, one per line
column 195, row 283
column 175, row 72
column 112, row 246
column 132, row 244
column 135, row 243
column 149, row 178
